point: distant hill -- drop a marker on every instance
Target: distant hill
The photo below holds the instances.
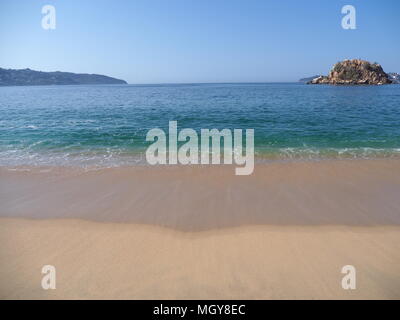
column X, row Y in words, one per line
column 28, row 77
column 394, row 76
column 309, row 78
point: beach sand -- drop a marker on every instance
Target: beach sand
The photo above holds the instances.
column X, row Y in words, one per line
column 284, row 232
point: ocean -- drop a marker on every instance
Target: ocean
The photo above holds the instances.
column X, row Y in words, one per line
column 106, row 125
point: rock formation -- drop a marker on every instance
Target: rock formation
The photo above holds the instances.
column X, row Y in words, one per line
column 354, row 72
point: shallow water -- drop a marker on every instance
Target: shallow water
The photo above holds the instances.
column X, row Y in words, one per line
column 106, row 125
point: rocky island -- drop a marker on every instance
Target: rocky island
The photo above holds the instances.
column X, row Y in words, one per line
column 28, row 77
column 354, row 72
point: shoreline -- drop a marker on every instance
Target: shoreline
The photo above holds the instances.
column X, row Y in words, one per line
column 198, row 198
column 137, row 158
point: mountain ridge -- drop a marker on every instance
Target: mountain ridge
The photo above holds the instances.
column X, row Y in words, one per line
column 28, row 77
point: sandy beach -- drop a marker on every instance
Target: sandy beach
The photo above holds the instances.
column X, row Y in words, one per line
column 201, row 232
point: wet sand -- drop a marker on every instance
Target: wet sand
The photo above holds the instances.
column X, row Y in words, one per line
column 202, row 232
column 360, row 193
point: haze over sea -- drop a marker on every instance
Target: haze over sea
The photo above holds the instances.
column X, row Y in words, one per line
column 106, row 125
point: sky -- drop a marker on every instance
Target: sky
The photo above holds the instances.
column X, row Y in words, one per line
column 191, row 41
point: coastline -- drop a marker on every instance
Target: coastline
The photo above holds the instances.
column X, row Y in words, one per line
column 187, row 198
column 179, row 232
column 103, row 159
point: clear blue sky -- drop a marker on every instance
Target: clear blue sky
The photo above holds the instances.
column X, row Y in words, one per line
column 177, row 41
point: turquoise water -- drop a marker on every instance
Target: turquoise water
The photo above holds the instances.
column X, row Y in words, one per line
column 106, row 124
